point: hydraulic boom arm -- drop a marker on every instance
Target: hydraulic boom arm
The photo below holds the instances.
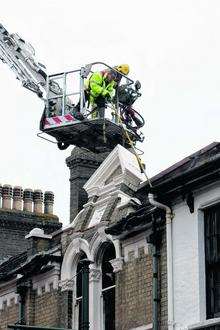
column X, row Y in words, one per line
column 19, row 55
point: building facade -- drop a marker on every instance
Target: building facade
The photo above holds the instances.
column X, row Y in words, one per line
column 152, row 251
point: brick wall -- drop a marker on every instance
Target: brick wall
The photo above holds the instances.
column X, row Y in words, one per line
column 43, row 310
column 46, row 309
column 8, row 315
column 134, row 293
column 163, row 315
column 66, row 309
column 14, row 225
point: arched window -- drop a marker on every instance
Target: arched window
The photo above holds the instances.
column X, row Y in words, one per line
column 108, row 288
column 79, row 290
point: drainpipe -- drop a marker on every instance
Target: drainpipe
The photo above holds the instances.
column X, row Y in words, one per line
column 155, row 286
column 21, row 310
column 153, row 202
column 22, row 291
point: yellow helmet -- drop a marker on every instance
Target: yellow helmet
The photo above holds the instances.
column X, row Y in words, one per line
column 123, row 68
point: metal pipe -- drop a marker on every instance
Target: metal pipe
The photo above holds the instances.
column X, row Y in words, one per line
column 81, row 100
column 155, row 287
column 169, row 216
column 64, row 95
column 21, row 309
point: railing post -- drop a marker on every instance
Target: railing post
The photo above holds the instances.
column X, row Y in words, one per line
column 82, row 95
column 64, row 95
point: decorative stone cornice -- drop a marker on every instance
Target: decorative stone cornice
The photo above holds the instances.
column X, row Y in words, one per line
column 120, row 167
column 117, row 264
column 94, row 274
column 66, row 285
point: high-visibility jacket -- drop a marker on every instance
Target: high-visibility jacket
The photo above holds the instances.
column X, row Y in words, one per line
column 97, row 85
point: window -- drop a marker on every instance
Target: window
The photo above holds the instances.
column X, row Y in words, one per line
column 12, row 301
column 43, row 289
column 4, row 304
column 79, row 290
column 108, row 288
column 212, row 258
column 51, row 286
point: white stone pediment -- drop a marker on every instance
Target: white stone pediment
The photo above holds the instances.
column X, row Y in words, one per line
column 121, row 166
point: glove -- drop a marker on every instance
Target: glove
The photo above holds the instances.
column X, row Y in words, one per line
column 105, row 93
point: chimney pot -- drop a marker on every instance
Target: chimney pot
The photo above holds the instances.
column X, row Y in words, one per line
column 28, row 199
column 17, row 198
column 48, row 202
column 38, row 201
column 6, row 196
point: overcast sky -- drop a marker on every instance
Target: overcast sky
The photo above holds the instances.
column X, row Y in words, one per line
column 172, row 47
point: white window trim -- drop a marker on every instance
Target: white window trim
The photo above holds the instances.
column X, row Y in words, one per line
column 204, row 324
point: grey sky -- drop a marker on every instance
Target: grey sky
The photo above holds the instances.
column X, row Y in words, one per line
column 172, row 47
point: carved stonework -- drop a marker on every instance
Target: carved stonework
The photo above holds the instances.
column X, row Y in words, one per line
column 67, row 285
column 94, row 274
column 117, row 264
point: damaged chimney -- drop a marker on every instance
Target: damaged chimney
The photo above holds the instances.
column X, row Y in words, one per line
column 82, row 165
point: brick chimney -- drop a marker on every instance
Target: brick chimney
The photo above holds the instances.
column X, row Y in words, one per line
column 82, row 165
column 20, row 212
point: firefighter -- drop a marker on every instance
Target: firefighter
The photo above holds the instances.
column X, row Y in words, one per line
column 101, row 86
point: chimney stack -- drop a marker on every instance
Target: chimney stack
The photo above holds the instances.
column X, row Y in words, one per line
column 38, row 201
column 17, row 198
column 48, row 202
column 28, row 200
column 82, row 165
column 6, row 196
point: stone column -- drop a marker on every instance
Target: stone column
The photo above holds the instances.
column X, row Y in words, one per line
column 28, row 200
column 6, row 196
column 38, row 201
column 17, row 198
column 95, row 286
column 48, row 202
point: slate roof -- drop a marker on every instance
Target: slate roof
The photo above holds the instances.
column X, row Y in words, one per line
column 201, row 164
column 24, row 264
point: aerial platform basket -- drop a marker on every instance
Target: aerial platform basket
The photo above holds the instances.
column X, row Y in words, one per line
column 61, row 122
column 97, row 135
